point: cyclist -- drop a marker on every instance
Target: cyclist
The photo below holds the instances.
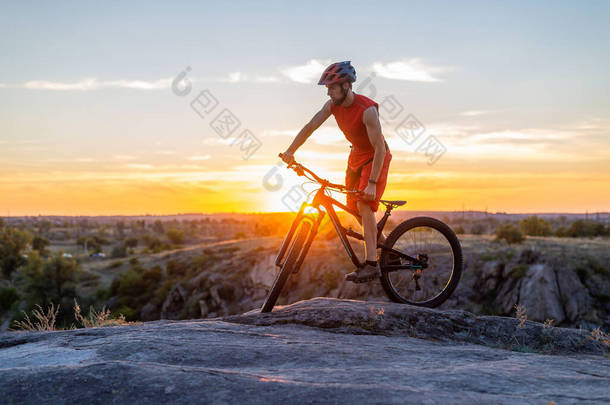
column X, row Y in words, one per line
column 369, row 160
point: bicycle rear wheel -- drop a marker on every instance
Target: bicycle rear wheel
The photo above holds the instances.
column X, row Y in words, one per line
column 422, row 236
column 292, row 256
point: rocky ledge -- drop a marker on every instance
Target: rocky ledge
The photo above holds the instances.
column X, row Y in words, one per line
column 315, row 351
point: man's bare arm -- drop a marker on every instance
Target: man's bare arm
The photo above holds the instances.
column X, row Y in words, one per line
column 317, row 120
column 373, row 130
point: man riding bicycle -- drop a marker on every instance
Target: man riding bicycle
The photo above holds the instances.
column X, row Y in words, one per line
column 369, row 160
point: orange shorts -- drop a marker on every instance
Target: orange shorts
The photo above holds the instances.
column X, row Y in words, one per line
column 360, row 182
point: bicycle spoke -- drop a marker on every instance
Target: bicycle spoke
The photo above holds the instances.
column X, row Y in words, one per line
column 435, row 277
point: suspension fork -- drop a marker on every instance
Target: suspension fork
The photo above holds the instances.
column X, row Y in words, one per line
column 301, row 216
column 289, row 235
column 312, row 234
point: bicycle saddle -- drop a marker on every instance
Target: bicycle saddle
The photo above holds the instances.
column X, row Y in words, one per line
column 394, row 203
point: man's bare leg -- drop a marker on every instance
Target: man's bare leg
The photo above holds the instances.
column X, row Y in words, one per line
column 382, row 237
column 369, row 226
column 370, row 270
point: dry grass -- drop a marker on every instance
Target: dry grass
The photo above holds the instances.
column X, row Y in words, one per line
column 520, row 312
column 600, row 336
column 97, row 319
column 43, row 321
column 521, row 315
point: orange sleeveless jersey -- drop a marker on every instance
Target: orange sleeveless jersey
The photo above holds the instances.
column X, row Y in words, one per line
column 349, row 120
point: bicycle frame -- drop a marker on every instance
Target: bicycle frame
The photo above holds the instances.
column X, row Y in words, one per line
column 327, row 202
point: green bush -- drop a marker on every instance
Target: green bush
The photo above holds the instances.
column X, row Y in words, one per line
column 459, row 230
column 119, row 251
column 582, row 228
column 129, row 313
column 131, row 242
column 509, row 233
column 519, row 271
column 40, row 244
column 176, row 236
column 153, row 243
column 51, row 281
column 535, row 226
column 8, row 296
column 13, row 243
column 135, row 288
column 176, row 269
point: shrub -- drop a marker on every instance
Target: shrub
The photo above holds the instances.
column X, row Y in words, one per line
column 459, row 230
column 240, row 235
column 127, row 312
column 97, row 319
column 8, row 295
column 50, row 281
column 134, row 289
column 176, row 269
column 477, row 229
column 581, row 228
column 13, row 243
column 119, row 251
column 131, row 242
column 40, row 244
column 561, row 232
column 88, row 279
column 519, row 271
column 509, row 233
column 176, row 236
column 152, row 243
column 535, row 226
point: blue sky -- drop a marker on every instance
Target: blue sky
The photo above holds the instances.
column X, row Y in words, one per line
column 72, row 102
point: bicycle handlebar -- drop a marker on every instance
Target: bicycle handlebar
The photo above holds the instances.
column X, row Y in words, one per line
column 300, row 170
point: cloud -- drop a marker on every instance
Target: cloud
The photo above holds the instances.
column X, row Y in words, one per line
column 307, row 73
column 124, row 157
column 140, row 84
column 266, row 79
column 315, row 155
column 473, row 113
column 329, row 136
column 239, row 77
column 94, row 84
column 199, row 158
column 234, row 77
column 411, row 70
column 139, row 166
column 164, row 152
column 325, row 135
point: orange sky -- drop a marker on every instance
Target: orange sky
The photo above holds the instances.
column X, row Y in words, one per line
column 98, row 112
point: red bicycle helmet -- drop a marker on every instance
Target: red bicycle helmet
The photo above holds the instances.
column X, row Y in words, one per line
column 338, row 73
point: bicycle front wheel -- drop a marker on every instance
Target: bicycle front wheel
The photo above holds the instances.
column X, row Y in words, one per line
column 433, row 284
column 287, row 268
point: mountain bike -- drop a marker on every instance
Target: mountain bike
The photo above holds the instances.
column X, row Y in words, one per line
column 420, row 260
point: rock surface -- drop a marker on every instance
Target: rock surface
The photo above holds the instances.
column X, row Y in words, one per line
column 315, row 351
